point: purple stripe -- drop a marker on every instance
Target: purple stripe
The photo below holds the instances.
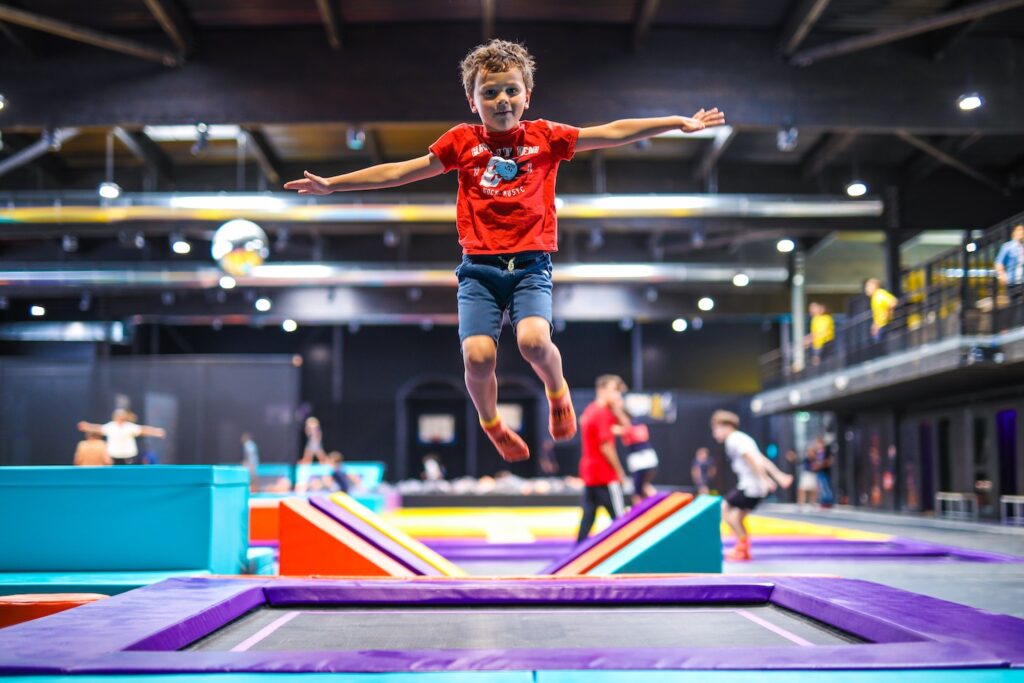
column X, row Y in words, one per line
column 774, row 628
column 264, row 632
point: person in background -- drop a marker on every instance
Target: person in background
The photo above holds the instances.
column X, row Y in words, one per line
column 756, row 477
column 92, row 451
column 1010, row 267
column 251, row 461
column 641, row 458
column 339, row 479
column 433, row 470
column 314, row 447
column 823, row 469
column 600, row 470
column 823, row 333
column 883, row 304
column 703, row 471
column 121, row 434
column 807, row 486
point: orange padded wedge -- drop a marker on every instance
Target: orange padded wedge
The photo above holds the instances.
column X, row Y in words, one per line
column 263, row 514
column 624, row 536
column 313, row 543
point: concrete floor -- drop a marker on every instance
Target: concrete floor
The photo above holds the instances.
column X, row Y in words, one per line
column 996, row 587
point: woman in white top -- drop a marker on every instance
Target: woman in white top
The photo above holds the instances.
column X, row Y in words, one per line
column 121, row 434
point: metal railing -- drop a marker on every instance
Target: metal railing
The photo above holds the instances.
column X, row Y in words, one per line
column 955, row 293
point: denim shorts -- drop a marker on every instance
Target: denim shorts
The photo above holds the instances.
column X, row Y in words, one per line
column 487, row 288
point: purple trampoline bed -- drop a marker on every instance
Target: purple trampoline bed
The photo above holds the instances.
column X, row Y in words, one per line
column 242, row 625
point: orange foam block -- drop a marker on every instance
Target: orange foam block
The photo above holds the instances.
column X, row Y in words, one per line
column 313, row 543
column 16, row 609
column 624, row 536
column 263, row 515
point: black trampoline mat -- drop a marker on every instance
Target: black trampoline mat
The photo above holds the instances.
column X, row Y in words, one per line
column 301, row 628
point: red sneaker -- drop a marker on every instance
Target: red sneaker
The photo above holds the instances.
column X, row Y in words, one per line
column 562, row 419
column 510, row 445
column 739, row 553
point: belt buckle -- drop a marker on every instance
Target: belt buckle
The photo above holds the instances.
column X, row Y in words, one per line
column 512, row 264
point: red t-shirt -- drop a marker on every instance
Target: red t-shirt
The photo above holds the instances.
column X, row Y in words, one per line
column 595, row 429
column 506, row 198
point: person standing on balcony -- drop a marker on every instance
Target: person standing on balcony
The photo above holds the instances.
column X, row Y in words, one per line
column 823, row 333
column 1010, row 265
column 883, row 305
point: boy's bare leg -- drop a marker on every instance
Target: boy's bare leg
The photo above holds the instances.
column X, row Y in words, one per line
column 480, row 354
column 533, row 335
column 784, row 480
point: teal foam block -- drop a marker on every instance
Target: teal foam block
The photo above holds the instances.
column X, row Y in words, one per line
column 136, row 518
column 104, row 583
column 881, row 676
column 689, row 540
column 260, row 562
column 425, row 677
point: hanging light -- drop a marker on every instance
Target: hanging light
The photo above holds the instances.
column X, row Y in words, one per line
column 970, row 101
column 706, row 303
column 108, row 189
column 741, row 279
column 289, row 326
column 679, row 325
column 785, row 245
column 856, row 188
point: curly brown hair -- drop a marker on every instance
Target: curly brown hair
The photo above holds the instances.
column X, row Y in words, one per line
column 496, row 56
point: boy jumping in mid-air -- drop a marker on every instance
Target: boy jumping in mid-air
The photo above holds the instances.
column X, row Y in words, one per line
column 506, row 221
column 756, row 477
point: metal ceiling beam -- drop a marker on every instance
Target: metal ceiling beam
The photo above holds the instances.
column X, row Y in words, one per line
column 925, row 164
column 913, row 28
column 332, row 22
column 267, row 159
column 802, row 18
column 642, row 20
column 148, row 152
column 723, row 138
column 251, row 86
column 50, row 141
column 89, row 36
column 174, row 22
column 825, row 152
column 488, row 11
column 136, row 276
column 950, row 160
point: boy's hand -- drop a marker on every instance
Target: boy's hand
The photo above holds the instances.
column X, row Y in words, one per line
column 701, row 120
column 311, row 184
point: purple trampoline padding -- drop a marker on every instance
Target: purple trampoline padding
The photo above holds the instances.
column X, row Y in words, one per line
column 378, row 540
column 465, row 550
column 882, row 614
column 634, row 512
column 106, row 637
column 773, row 548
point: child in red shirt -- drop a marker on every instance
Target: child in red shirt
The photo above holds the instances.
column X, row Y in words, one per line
column 506, row 221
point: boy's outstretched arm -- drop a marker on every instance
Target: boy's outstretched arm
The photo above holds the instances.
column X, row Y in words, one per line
column 372, row 178
column 625, row 131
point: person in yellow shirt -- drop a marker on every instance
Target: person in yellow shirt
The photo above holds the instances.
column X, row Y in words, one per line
column 883, row 304
column 823, row 332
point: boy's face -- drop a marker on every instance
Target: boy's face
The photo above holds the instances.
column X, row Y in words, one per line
column 720, row 432
column 870, row 286
column 500, row 98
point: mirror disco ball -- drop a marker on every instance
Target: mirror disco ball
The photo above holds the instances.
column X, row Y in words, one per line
column 239, row 246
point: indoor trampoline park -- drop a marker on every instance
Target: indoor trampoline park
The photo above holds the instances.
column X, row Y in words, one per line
column 494, row 341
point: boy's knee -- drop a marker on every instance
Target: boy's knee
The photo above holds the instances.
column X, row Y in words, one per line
column 479, row 354
column 534, row 340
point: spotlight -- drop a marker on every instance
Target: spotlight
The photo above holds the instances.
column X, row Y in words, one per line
column 263, row 304
column 109, row 190
column 227, row 282
column 355, row 139
column 798, row 280
column 785, row 245
column 786, row 139
column 139, row 241
column 679, row 325
column 289, row 326
column 970, row 101
column 180, row 245
column 37, row 311
column 3, row 102
column 856, row 188
column 971, row 247
column 69, row 243
column 706, row 303
column 741, row 279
